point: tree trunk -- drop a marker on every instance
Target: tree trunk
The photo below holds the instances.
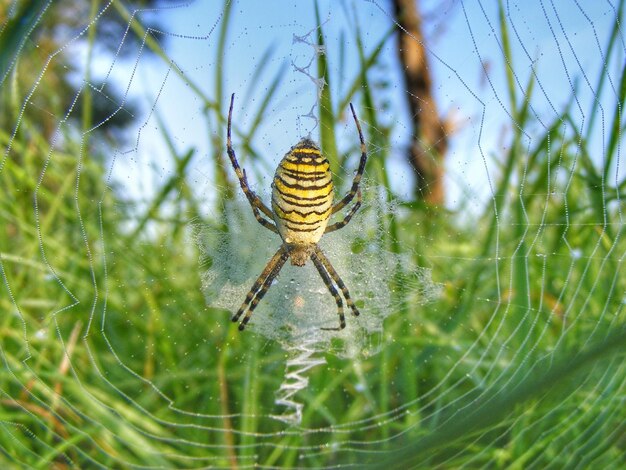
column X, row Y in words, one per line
column 429, row 141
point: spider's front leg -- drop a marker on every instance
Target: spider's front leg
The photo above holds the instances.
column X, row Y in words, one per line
column 346, row 219
column 354, row 190
column 253, row 199
column 255, row 210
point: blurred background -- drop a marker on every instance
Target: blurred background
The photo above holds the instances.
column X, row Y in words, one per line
column 486, row 260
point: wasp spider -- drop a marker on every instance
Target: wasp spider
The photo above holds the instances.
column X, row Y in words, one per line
column 302, row 203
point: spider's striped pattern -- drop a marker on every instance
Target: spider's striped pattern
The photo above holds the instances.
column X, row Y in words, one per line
column 302, row 194
column 302, row 203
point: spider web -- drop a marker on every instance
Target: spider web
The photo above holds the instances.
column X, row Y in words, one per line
column 299, row 315
column 491, row 332
column 302, row 310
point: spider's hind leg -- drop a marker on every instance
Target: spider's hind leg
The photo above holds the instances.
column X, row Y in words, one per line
column 261, row 286
column 335, row 277
column 328, row 274
column 331, row 287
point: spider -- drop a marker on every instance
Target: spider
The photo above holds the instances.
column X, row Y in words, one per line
column 302, row 203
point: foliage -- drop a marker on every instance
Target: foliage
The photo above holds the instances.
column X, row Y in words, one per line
column 65, row 400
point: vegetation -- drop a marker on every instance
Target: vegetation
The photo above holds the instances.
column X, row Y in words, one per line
column 111, row 357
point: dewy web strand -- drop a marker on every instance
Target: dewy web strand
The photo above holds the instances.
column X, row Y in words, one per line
column 116, row 343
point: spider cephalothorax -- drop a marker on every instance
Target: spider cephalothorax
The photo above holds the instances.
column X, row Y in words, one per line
column 302, row 203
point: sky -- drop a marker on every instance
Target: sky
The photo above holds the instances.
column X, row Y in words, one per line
column 560, row 41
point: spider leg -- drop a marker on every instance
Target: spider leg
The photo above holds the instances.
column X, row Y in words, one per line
column 331, row 287
column 346, row 219
column 357, row 178
column 261, row 286
column 253, row 199
column 328, row 267
column 333, row 274
column 264, row 222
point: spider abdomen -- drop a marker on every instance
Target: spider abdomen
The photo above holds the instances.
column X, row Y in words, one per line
column 302, row 194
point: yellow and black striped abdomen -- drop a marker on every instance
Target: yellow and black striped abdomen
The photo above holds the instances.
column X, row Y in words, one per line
column 302, row 194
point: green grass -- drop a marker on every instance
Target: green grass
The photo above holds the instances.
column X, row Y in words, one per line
column 517, row 364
